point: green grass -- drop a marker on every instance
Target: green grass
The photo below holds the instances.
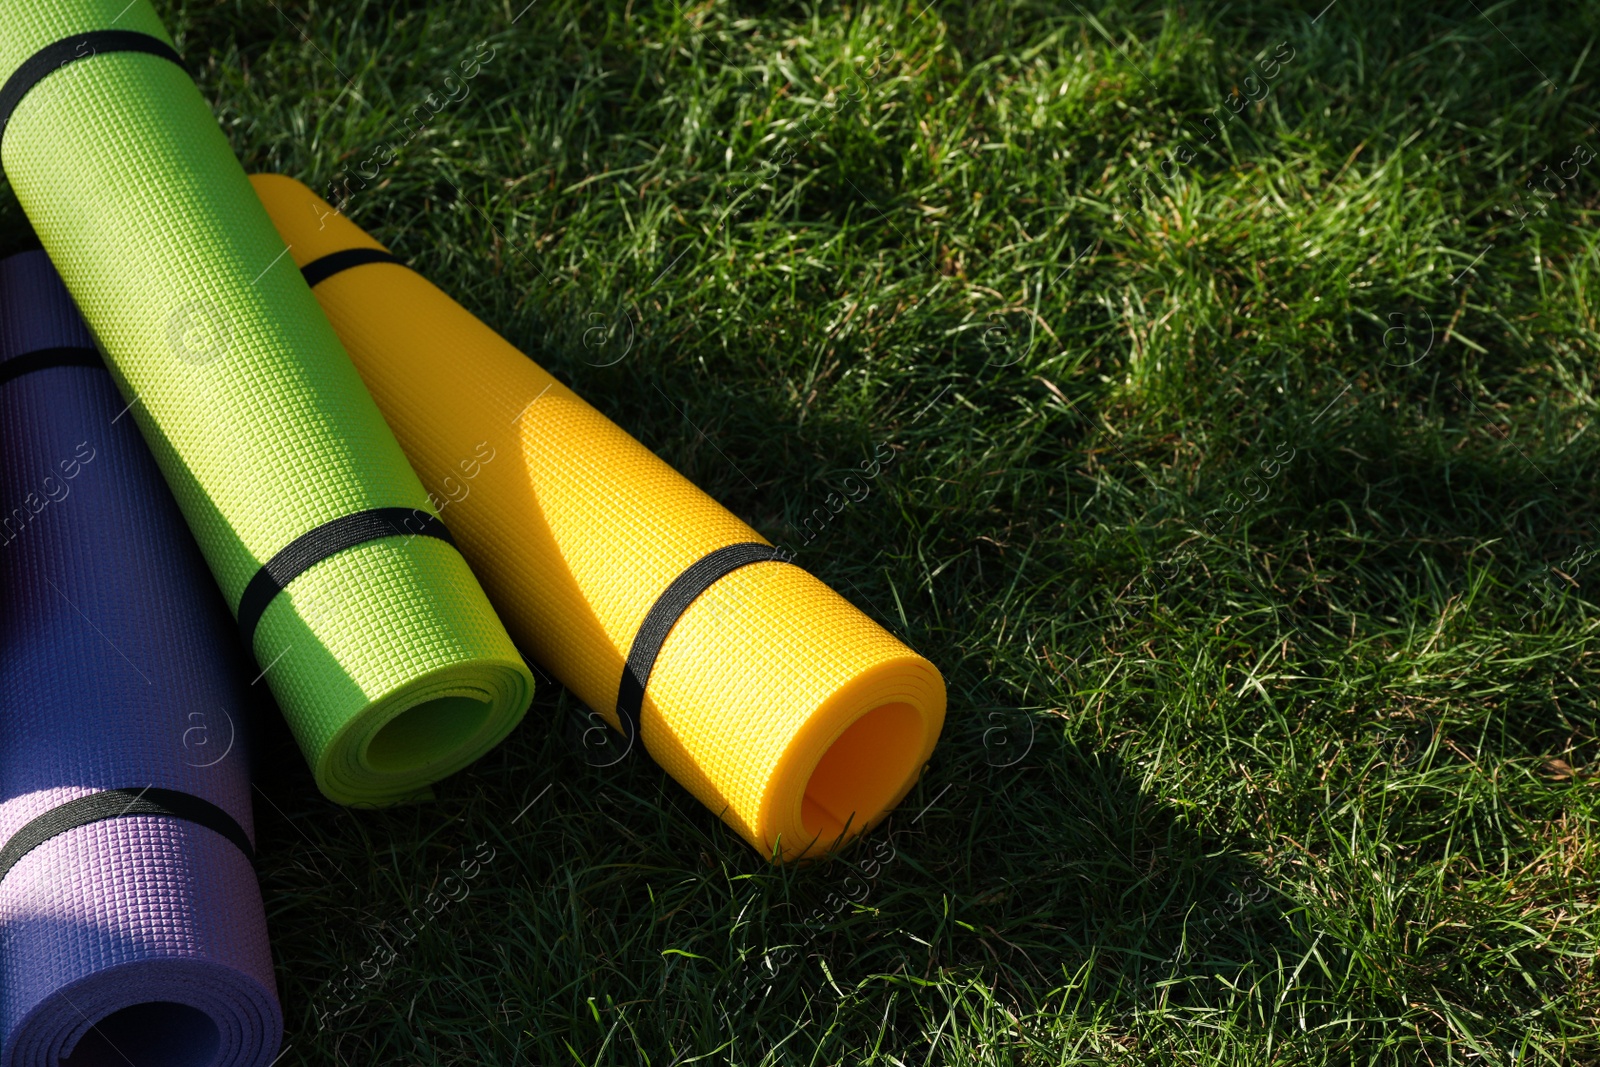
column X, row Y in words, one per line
column 1248, row 504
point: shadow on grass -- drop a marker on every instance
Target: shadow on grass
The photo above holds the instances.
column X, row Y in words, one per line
column 1057, row 871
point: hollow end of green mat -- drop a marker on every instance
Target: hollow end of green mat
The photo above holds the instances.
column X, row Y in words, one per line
column 413, row 739
column 391, row 668
column 872, row 763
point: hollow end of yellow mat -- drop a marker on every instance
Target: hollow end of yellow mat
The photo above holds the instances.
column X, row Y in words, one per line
column 861, row 772
column 855, row 760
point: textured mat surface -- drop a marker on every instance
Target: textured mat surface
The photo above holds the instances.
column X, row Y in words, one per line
column 119, row 668
column 774, row 700
column 252, row 410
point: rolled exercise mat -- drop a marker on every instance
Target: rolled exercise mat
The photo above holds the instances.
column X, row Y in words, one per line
column 381, row 649
column 131, row 923
column 771, row 698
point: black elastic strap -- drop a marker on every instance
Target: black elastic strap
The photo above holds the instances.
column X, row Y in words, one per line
column 45, row 358
column 52, row 57
column 320, row 270
column 311, row 548
column 114, row 804
column 699, row 576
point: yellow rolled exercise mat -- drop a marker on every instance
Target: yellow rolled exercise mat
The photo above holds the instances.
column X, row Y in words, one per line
column 379, row 645
column 771, row 698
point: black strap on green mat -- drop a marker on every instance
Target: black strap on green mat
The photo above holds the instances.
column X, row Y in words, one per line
column 320, row 270
column 45, row 358
column 115, row 804
column 316, row 545
column 663, row 615
column 52, row 57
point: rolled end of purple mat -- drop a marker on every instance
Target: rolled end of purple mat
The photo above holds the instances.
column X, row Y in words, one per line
column 132, row 932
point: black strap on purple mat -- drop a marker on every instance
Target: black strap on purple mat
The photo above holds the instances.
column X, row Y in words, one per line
column 115, row 804
column 52, row 57
column 45, row 358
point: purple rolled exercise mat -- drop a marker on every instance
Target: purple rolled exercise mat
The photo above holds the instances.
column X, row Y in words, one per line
column 131, row 925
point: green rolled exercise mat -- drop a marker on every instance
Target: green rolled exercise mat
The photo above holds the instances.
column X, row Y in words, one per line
column 375, row 637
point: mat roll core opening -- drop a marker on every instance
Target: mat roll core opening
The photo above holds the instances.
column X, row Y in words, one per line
column 158, row 1033
column 413, row 738
column 861, row 773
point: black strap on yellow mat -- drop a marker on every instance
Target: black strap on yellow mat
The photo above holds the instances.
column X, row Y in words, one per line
column 52, row 57
column 316, row 545
column 115, row 804
column 320, row 270
column 45, row 358
column 699, row 576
